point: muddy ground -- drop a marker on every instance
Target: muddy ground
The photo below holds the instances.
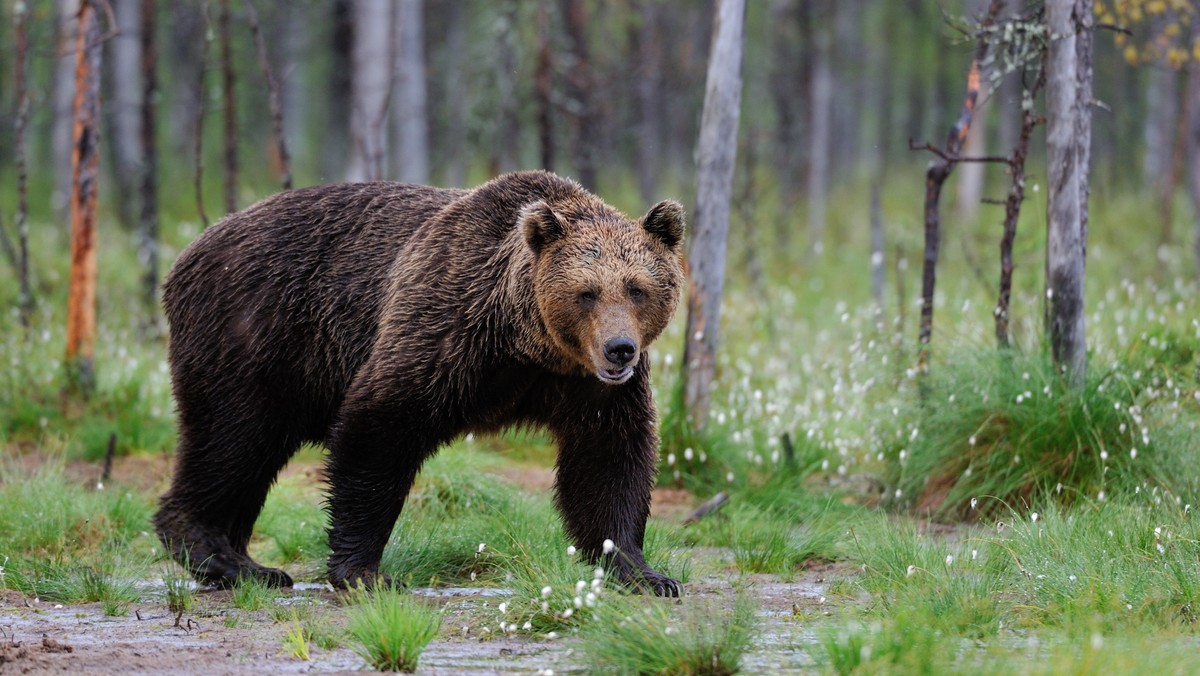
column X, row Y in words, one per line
column 216, row 638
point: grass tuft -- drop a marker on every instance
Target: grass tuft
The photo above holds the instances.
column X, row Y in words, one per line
column 633, row 636
column 1001, row 431
column 390, row 629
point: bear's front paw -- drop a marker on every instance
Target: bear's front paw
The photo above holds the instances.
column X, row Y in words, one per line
column 365, row 579
column 650, row 580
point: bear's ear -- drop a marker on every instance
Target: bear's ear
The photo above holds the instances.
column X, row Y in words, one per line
column 540, row 226
column 665, row 221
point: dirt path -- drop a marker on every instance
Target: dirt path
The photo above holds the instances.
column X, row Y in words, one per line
column 215, row 638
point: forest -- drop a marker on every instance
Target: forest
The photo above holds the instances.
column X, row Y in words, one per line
column 930, row 401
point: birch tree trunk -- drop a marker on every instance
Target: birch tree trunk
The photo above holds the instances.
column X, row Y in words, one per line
column 81, row 300
column 1067, row 193
column 372, row 82
column 21, row 13
column 125, row 61
column 64, row 98
column 409, row 99
column 716, row 154
column 819, row 129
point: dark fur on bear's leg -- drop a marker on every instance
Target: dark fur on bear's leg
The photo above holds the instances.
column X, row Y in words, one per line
column 205, row 519
column 374, row 459
column 606, row 469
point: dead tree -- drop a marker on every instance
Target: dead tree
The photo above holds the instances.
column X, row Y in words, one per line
column 1012, row 204
column 81, row 301
column 716, row 154
column 580, row 86
column 935, row 177
column 285, row 161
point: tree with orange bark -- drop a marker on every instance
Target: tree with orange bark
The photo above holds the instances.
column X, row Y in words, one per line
column 85, row 156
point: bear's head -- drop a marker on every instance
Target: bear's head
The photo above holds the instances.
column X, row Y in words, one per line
column 606, row 286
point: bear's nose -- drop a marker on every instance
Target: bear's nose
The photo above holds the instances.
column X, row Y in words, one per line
column 620, row 350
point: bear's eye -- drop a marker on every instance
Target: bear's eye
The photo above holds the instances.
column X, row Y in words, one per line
column 636, row 293
column 587, row 297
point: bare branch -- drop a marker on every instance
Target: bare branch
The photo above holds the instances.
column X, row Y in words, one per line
column 273, row 94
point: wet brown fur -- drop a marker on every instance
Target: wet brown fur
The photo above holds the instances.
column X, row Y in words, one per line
column 384, row 320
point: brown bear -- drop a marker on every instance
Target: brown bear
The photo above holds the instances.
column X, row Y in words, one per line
column 385, row 320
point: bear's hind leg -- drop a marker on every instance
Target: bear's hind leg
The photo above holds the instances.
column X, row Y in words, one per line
column 219, row 487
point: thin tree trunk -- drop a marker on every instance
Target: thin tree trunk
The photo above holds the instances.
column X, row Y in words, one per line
column 230, row 107
column 64, row 98
column 409, row 95
column 649, row 99
column 1085, row 19
column 285, row 161
column 339, row 153
column 81, row 301
column 1170, row 182
column 372, row 84
column 935, row 177
column 456, row 93
column 969, row 184
column 787, row 93
column 1193, row 151
column 716, row 155
column 198, row 134
column 544, row 87
column 580, row 85
column 124, row 110
column 22, row 67
column 1012, row 205
column 506, row 143
column 877, row 247
column 1158, row 123
column 295, row 91
column 819, row 131
column 1066, row 177
column 148, row 231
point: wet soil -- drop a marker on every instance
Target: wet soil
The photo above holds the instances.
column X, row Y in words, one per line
column 216, row 638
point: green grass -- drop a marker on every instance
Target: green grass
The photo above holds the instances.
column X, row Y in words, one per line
column 630, row 637
column 389, row 629
column 1002, row 431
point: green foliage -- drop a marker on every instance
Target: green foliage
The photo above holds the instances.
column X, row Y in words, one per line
column 634, row 636
column 390, row 629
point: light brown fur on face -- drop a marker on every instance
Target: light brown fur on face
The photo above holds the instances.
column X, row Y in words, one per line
column 606, row 286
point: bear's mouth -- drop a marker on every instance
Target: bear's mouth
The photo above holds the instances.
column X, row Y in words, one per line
column 615, row 376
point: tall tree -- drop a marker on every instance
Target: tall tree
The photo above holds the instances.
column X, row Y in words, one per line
column 22, row 73
column 337, row 145
column 81, row 301
column 1193, row 150
column 544, row 87
column 273, row 98
column 649, row 46
column 716, row 154
column 372, row 83
column 125, row 68
column 820, row 129
column 64, row 97
column 230, row 106
column 409, row 98
column 148, row 223
column 1067, row 68
column 580, row 88
column 455, row 60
